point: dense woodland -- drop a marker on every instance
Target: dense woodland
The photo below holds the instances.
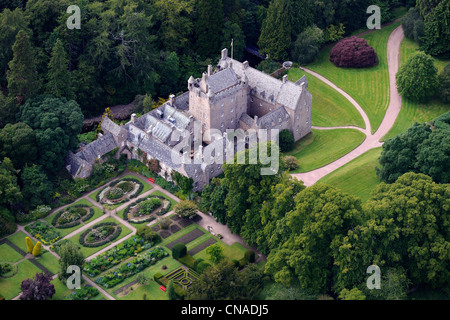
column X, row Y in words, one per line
column 317, row 238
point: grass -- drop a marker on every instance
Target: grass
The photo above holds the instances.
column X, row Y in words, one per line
column 10, row 287
column 357, row 177
column 234, row 252
column 9, row 254
column 368, row 86
column 322, row 147
column 179, row 234
column 61, row 289
column 49, row 261
column 65, row 231
column 18, row 239
column 87, row 251
column 329, row 108
column 413, row 111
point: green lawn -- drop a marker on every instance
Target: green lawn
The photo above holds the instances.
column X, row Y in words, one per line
column 368, row 86
column 10, row 287
column 49, row 261
column 9, row 254
column 18, row 239
column 329, row 107
column 322, row 147
column 65, row 231
column 90, row 251
column 234, row 252
column 357, row 177
column 61, row 289
column 413, row 111
column 180, row 233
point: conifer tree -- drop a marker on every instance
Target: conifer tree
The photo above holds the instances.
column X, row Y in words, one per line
column 59, row 77
column 37, row 250
column 209, row 26
column 22, row 76
column 30, row 244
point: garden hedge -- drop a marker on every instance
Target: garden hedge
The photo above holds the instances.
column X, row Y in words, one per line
column 250, row 256
column 179, row 250
column 110, row 238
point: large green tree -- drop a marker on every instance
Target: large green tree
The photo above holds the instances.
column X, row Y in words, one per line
column 70, row 255
column 56, row 123
column 22, row 76
column 417, row 78
column 9, row 189
column 322, row 215
column 406, row 226
column 59, row 78
column 444, row 84
column 437, row 32
column 209, row 26
column 37, row 188
column 18, row 142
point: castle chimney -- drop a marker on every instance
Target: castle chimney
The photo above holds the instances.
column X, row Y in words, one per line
column 224, row 54
column 172, row 99
column 209, row 70
column 245, row 65
column 285, row 78
column 256, row 120
column 133, row 118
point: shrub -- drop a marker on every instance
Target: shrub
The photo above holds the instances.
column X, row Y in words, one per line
column 179, row 250
column 286, row 141
column 444, row 84
column 37, row 250
column 187, row 260
column 353, row 52
column 164, row 223
column 197, row 262
column 30, row 244
column 290, row 162
column 202, row 266
column 250, row 256
column 186, row 209
column 7, row 223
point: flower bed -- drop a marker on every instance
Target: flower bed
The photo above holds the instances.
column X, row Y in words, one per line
column 147, row 209
column 120, row 191
column 44, row 232
column 116, row 255
column 131, row 268
column 84, row 293
column 100, row 234
column 72, row 216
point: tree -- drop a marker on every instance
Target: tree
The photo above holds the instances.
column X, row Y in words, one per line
column 38, row 288
column 306, row 47
column 353, row 294
column 426, row 6
column 30, row 245
column 8, row 110
column 404, row 228
column 215, row 253
column 322, row 215
column 142, row 279
column 413, row 25
column 444, row 84
column 9, row 189
column 223, row 281
column 353, row 52
column 56, row 123
column 185, row 183
column 59, row 78
column 287, row 140
column 7, row 222
column 394, row 286
column 213, row 200
column 70, row 255
column 417, row 78
column 170, row 74
column 186, row 209
column 171, row 291
column 37, row 250
column 37, row 188
column 209, row 26
column 18, row 142
column 22, row 76
column 290, row 162
column 232, row 31
column 275, row 38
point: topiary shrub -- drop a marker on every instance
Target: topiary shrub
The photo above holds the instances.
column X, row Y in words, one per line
column 178, row 251
column 37, row 250
column 30, row 244
column 202, row 266
column 353, row 52
column 286, row 140
column 250, row 256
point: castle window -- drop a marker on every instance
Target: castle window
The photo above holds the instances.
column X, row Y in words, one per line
column 221, row 125
column 251, row 99
column 232, row 120
column 232, row 110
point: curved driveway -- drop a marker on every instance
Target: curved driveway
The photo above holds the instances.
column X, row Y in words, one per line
column 372, row 140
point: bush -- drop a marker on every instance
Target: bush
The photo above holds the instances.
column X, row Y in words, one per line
column 179, row 250
column 250, row 256
column 286, row 140
column 413, row 25
column 353, row 52
column 444, row 84
column 37, row 250
column 202, row 266
column 148, row 234
column 7, row 224
column 306, row 47
column 290, row 162
column 187, row 260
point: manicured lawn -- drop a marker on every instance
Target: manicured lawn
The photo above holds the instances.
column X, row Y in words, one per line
column 9, row 254
column 368, row 86
column 10, row 287
column 322, row 147
column 49, row 261
column 159, row 193
column 329, row 107
column 358, row 177
column 179, row 234
column 19, row 240
column 65, row 231
column 413, row 111
column 236, row 251
column 90, row 251
column 61, row 289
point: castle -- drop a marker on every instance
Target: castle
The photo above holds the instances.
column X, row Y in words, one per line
column 233, row 96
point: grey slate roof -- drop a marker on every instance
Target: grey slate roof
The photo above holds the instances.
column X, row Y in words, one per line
column 272, row 119
column 73, row 163
column 99, row 147
column 110, row 126
column 222, row 80
column 245, row 118
column 182, row 101
column 181, row 119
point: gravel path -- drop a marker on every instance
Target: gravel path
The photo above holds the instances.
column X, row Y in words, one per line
column 372, row 140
